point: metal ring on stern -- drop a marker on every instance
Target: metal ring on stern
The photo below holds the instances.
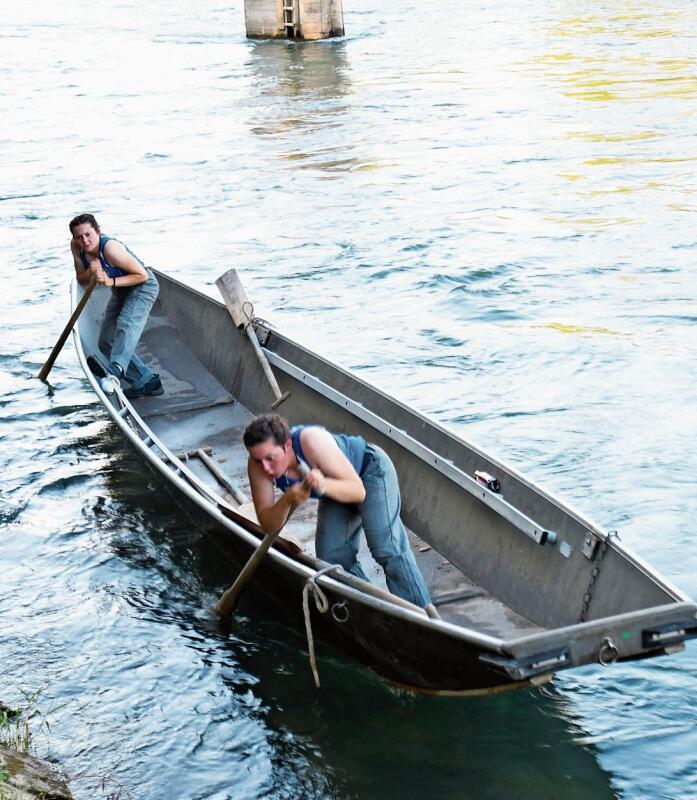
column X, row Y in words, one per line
column 340, row 611
column 608, row 653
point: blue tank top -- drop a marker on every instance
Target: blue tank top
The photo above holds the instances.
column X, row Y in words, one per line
column 353, row 447
column 112, row 272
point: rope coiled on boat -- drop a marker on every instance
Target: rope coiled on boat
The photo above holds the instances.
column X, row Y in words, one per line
column 322, row 605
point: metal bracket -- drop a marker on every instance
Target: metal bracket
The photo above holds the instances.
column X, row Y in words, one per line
column 590, row 546
column 665, row 635
column 526, row 667
column 263, row 335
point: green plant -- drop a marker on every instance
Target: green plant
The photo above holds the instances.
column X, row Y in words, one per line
column 4, row 775
column 15, row 731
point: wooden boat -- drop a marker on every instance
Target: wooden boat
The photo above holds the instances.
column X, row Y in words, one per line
column 524, row 585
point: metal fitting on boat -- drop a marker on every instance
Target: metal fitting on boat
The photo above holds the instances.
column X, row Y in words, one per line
column 608, row 653
column 340, row 611
column 488, row 481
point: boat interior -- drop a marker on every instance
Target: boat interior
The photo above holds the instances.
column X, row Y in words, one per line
column 197, row 412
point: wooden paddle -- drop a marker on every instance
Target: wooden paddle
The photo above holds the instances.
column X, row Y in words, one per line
column 71, row 322
column 240, row 309
column 228, row 600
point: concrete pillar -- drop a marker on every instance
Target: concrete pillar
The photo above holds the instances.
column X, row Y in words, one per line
column 264, row 19
column 293, row 19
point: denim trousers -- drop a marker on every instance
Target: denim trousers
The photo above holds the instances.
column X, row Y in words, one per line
column 124, row 320
column 339, row 528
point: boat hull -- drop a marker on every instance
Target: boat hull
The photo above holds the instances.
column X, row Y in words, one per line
column 541, row 588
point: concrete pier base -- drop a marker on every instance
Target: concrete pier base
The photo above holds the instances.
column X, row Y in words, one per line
column 293, row 19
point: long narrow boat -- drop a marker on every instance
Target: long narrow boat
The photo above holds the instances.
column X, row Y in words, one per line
column 524, row 585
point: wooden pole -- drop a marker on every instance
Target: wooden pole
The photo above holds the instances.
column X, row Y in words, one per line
column 71, row 323
column 240, row 309
column 221, row 477
column 228, row 600
column 270, row 377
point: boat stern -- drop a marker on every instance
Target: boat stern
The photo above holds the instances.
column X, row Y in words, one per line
column 626, row 637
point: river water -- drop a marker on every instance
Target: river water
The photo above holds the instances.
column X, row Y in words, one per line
column 487, row 210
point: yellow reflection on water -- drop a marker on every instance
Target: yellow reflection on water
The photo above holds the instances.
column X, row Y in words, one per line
column 604, row 160
column 628, row 86
column 607, row 60
column 616, row 190
column 603, row 68
column 593, row 223
column 619, row 77
column 682, row 207
column 634, row 136
column 565, row 328
column 639, row 20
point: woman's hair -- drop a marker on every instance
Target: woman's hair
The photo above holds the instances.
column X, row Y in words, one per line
column 81, row 219
column 264, row 427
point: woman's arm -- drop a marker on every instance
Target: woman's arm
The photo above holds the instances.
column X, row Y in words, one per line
column 82, row 273
column 332, row 472
column 117, row 255
column 273, row 515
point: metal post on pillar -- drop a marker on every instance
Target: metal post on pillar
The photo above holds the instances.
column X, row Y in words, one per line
column 293, row 19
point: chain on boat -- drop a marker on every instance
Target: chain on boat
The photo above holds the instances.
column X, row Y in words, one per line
column 608, row 652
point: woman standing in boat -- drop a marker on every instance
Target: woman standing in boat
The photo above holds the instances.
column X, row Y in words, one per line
column 134, row 289
column 357, row 487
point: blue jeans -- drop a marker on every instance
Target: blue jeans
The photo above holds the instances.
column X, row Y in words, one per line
column 124, row 320
column 339, row 527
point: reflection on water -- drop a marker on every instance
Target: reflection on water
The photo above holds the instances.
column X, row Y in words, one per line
column 301, row 70
column 302, row 89
column 634, row 21
column 612, row 60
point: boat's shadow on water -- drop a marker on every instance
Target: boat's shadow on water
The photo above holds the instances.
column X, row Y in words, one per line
column 354, row 736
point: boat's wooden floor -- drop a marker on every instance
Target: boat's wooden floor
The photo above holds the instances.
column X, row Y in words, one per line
column 196, row 412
